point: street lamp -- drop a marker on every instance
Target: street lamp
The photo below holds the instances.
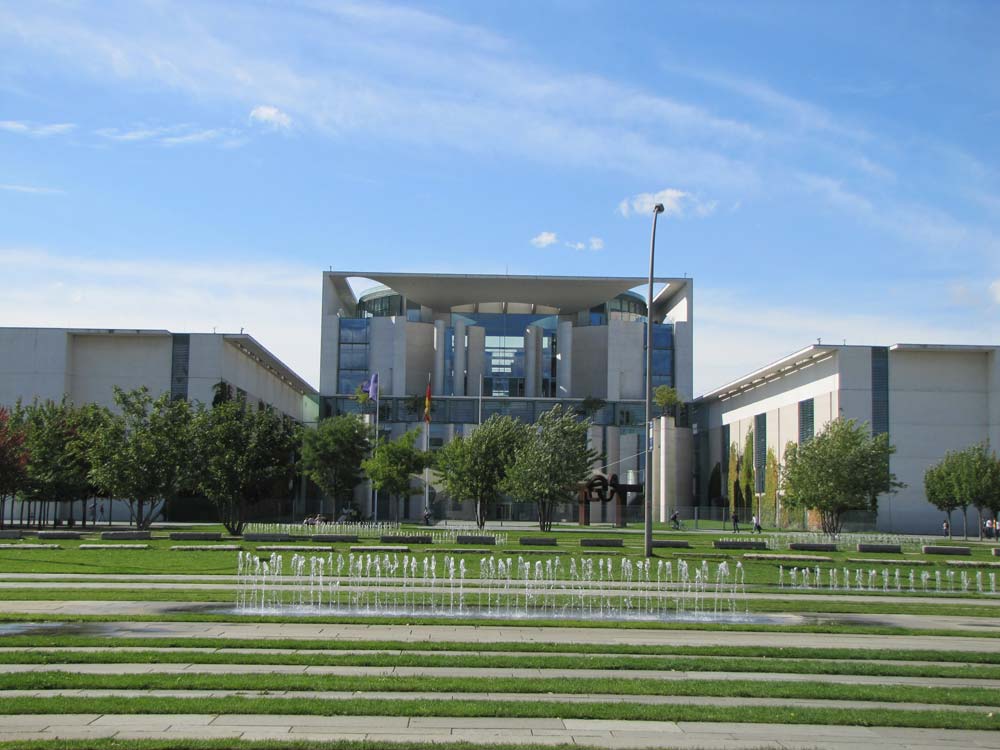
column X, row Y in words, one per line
column 648, row 479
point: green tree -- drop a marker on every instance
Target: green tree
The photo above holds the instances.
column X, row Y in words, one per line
column 747, row 479
column 665, row 397
column 715, row 482
column 591, row 405
column 143, row 453
column 962, row 478
column 13, row 460
column 332, row 456
column 242, row 455
column 549, row 466
column 769, row 507
column 58, row 438
column 843, row 468
column 393, row 463
column 473, row 468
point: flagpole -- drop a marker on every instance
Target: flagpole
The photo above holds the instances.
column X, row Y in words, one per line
column 480, row 398
column 375, row 514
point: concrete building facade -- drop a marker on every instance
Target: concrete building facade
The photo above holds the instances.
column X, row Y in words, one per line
column 929, row 399
column 85, row 365
column 513, row 345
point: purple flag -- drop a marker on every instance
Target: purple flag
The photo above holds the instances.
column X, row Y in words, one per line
column 371, row 387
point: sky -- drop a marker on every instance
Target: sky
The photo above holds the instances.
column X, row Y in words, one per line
column 829, row 171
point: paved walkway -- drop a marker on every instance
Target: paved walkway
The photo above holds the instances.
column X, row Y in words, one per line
column 487, row 731
column 515, row 633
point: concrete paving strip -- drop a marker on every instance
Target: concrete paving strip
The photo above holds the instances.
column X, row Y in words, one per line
column 473, row 589
column 601, row 698
column 456, row 654
column 490, row 731
column 493, row 673
column 473, row 634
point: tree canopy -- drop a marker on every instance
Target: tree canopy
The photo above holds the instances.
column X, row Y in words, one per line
column 143, row 453
column 394, row 462
column 242, row 455
column 665, row 397
column 970, row 476
column 549, row 466
column 843, row 468
column 13, row 460
column 332, row 456
column 473, row 468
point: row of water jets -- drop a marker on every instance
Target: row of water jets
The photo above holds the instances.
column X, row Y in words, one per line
column 447, row 534
column 394, row 584
column 873, row 580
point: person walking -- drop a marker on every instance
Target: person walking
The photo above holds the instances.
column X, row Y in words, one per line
column 736, row 522
column 756, row 525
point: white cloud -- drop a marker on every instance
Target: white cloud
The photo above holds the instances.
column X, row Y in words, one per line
column 596, row 243
column 31, row 189
column 172, row 135
column 35, row 130
column 544, row 239
column 575, row 245
column 675, row 203
column 270, row 116
column 197, row 136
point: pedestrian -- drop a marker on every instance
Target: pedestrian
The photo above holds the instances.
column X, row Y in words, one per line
column 945, row 528
column 756, row 525
column 736, row 522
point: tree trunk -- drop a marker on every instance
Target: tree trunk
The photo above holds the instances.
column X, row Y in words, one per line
column 979, row 512
column 3, row 507
column 480, row 514
column 965, row 522
column 544, row 516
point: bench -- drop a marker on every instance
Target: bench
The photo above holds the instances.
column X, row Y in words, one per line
column 407, row 539
column 538, row 541
column 60, row 535
column 11, row 534
column 473, row 539
column 269, row 538
column 335, row 538
column 880, row 548
column 602, row 542
column 996, row 552
column 671, row 543
column 813, row 546
column 737, row 544
column 196, row 536
column 932, row 549
column 126, row 535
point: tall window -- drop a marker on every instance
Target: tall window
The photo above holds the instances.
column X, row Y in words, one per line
column 663, row 354
column 353, row 354
column 807, row 409
column 759, row 450
column 880, row 390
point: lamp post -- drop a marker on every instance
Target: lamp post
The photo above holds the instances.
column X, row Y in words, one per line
column 648, row 479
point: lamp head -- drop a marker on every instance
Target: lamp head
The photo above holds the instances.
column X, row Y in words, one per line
column 658, row 208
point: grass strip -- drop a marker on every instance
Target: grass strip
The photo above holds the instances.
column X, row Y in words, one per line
column 501, row 661
column 937, row 719
column 451, row 622
column 765, row 652
column 578, row 686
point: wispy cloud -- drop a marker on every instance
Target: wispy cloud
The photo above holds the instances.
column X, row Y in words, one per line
column 544, row 239
column 169, row 135
column 36, row 130
column 596, row 243
column 271, row 117
column 675, row 203
column 31, row 189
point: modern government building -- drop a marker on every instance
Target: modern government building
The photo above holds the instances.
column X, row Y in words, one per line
column 517, row 345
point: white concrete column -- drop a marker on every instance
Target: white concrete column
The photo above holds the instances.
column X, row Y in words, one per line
column 329, row 350
column 437, row 379
column 532, row 361
column 459, row 359
column 564, row 359
column 475, row 358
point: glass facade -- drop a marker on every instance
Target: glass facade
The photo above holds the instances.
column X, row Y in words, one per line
column 663, row 354
column 352, row 354
column 807, row 410
column 380, row 304
column 880, row 390
column 505, row 361
column 626, row 306
column 759, row 450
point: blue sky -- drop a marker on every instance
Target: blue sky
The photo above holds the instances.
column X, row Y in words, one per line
column 830, row 170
